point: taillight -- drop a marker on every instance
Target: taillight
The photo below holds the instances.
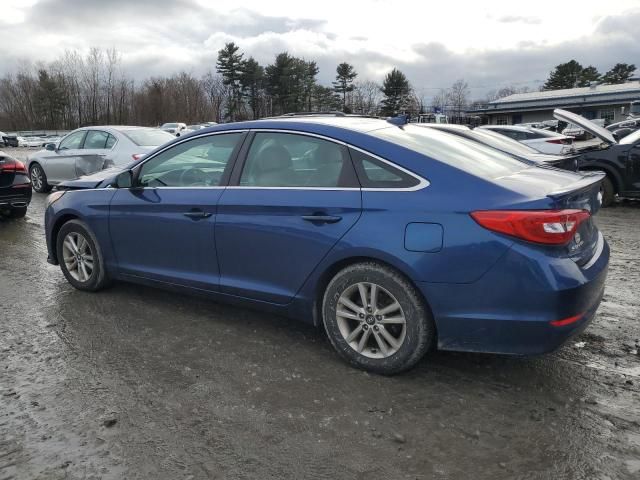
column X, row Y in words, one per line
column 137, row 156
column 549, row 227
column 12, row 166
column 557, row 141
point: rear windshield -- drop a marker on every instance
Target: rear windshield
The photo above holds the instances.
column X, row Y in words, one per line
column 148, row 137
column 458, row 152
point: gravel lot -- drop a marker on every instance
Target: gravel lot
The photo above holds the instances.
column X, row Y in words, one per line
column 139, row 383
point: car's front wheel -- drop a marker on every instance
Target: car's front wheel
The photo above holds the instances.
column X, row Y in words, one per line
column 80, row 257
column 376, row 319
column 608, row 192
column 38, row 179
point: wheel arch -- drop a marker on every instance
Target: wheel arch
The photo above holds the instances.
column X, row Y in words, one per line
column 56, row 229
column 610, row 172
column 333, row 268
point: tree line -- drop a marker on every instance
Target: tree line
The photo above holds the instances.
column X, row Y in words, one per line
column 76, row 90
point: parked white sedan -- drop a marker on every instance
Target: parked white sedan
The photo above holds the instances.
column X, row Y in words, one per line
column 90, row 149
column 542, row 140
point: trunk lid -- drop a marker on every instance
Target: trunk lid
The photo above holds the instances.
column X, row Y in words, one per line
column 594, row 129
column 559, row 190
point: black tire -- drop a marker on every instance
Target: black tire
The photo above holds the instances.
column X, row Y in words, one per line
column 608, row 192
column 36, row 169
column 420, row 331
column 98, row 278
column 17, row 212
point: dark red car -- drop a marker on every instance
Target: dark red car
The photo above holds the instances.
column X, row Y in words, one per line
column 15, row 187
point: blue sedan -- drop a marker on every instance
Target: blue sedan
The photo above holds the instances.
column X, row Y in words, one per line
column 397, row 239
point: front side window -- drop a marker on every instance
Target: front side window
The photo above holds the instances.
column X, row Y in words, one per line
column 72, row 141
column 95, row 140
column 291, row 160
column 200, row 162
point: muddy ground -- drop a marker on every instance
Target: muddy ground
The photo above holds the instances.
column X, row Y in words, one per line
column 138, row 383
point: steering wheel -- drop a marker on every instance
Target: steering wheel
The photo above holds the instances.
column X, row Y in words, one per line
column 193, row 176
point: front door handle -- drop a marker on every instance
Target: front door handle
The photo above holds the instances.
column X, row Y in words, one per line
column 197, row 214
column 322, row 218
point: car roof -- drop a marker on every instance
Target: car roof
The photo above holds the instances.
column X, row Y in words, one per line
column 507, row 127
column 358, row 124
column 444, row 126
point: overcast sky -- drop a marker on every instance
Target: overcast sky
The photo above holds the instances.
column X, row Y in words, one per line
column 488, row 43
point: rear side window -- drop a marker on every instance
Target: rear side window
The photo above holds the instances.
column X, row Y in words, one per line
column 148, row 137
column 374, row 173
column 460, row 153
column 111, row 141
column 96, row 139
column 292, row 160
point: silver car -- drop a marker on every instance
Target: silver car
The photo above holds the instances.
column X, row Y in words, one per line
column 90, row 149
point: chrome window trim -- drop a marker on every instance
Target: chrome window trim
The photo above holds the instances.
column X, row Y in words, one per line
column 422, row 182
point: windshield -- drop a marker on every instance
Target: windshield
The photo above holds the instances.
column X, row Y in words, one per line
column 499, row 141
column 458, row 152
column 147, row 137
column 631, row 138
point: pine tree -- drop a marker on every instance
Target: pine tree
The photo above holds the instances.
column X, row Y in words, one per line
column 565, row 75
column 588, row 76
column 252, row 83
column 396, row 90
column 346, row 74
column 230, row 66
column 620, row 73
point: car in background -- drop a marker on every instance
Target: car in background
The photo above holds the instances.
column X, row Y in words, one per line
column 91, row 149
column 33, row 142
column 396, row 239
column 543, row 141
column 624, row 128
column 619, row 160
column 15, row 187
column 507, row 145
column 175, row 129
column 194, row 128
column 10, row 140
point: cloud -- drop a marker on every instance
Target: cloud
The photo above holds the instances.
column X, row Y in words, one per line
column 157, row 37
column 520, row 19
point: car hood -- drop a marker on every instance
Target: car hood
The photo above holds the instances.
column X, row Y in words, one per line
column 595, row 130
column 95, row 180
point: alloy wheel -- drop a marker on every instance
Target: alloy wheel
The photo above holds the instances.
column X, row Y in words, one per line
column 77, row 256
column 371, row 320
column 36, row 178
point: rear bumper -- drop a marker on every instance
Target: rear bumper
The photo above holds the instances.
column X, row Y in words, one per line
column 15, row 196
column 511, row 308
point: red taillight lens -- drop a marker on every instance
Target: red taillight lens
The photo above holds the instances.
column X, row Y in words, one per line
column 137, row 156
column 549, row 227
column 11, row 165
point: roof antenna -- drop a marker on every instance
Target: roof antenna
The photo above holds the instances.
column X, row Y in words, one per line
column 399, row 119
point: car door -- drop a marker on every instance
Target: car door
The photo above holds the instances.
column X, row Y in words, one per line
column 61, row 164
column 95, row 152
column 162, row 228
column 291, row 199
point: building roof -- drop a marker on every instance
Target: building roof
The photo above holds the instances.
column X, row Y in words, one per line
column 571, row 97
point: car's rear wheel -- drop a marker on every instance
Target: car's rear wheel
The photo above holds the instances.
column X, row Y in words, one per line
column 39, row 179
column 376, row 319
column 80, row 257
column 608, row 192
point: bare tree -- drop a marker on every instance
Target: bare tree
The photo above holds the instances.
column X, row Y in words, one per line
column 458, row 96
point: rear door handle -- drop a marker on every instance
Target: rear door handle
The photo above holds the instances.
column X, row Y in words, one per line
column 197, row 214
column 321, row 218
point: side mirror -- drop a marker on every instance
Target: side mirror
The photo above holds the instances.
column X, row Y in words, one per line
column 124, row 180
column 50, row 146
